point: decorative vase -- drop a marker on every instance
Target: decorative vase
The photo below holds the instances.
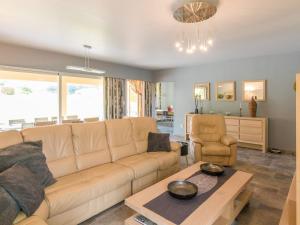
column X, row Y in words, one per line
column 252, row 107
column 196, row 104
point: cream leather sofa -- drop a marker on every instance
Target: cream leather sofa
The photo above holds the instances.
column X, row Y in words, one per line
column 210, row 142
column 96, row 165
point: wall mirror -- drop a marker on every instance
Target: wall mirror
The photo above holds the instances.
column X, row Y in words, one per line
column 202, row 91
column 225, row 91
column 254, row 88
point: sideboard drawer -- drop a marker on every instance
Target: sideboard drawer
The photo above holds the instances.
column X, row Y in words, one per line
column 251, row 138
column 234, row 129
column 235, row 135
column 251, row 130
column 234, row 122
column 250, row 123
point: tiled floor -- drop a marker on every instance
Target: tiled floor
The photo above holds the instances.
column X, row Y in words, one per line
column 270, row 185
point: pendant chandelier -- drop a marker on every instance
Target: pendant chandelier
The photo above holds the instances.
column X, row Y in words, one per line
column 197, row 32
column 86, row 68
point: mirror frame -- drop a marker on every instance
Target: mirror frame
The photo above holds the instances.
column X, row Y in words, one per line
column 234, row 91
column 203, row 84
column 254, row 81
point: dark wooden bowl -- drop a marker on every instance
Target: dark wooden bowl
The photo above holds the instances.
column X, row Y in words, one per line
column 182, row 189
column 212, row 169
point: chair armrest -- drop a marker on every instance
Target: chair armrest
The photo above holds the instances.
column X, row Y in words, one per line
column 196, row 140
column 228, row 140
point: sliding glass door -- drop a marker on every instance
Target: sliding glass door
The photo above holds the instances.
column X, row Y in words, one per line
column 27, row 97
column 82, row 97
column 33, row 98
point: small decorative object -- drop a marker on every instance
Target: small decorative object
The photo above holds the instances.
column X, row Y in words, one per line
column 196, row 105
column 201, row 106
column 170, row 108
column 225, row 91
column 241, row 109
column 197, row 100
column 182, row 189
column 252, row 107
column 212, row 169
column 254, row 88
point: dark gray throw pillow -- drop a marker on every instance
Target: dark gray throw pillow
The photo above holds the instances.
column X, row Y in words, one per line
column 23, row 186
column 8, row 208
column 158, row 142
column 29, row 154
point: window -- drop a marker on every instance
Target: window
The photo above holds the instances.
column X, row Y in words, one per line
column 135, row 98
column 30, row 99
column 82, row 97
column 27, row 97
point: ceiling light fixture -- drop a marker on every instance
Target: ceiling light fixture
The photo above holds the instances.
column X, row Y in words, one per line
column 195, row 35
column 86, row 67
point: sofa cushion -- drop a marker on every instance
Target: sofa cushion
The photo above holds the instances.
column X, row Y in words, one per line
column 90, row 144
column 165, row 159
column 30, row 155
column 159, row 142
column 215, row 149
column 23, row 186
column 57, row 147
column 75, row 189
column 9, row 209
column 120, row 138
column 141, row 164
column 9, row 138
column 141, row 127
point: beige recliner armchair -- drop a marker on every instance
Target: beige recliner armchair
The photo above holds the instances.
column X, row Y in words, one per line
column 210, row 142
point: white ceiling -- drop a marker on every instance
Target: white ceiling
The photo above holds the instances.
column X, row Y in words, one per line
column 142, row 32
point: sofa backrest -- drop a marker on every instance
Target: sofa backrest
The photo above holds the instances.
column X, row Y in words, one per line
column 141, row 126
column 8, row 138
column 57, row 147
column 90, row 144
column 72, row 147
column 120, row 139
column 209, row 128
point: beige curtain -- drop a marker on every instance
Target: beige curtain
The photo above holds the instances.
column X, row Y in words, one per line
column 149, row 93
column 137, row 87
column 114, row 98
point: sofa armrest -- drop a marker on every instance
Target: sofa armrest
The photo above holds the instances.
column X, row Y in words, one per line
column 196, row 140
column 175, row 147
column 228, row 140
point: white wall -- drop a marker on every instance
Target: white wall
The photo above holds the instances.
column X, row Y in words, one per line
column 278, row 70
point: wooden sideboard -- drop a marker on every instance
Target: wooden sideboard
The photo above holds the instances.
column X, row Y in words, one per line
column 251, row 132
